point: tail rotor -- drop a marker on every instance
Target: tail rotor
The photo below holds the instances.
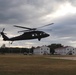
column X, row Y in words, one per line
column 3, row 35
column 2, row 31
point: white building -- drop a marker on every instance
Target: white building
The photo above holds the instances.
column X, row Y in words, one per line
column 67, row 50
column 43, row 50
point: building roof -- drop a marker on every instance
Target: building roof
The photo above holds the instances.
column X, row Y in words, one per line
column 41, row 47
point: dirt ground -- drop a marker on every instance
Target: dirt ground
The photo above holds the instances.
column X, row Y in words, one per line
column 66, row 58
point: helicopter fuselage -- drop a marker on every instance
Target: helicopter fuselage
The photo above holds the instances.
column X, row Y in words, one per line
column 27, row 36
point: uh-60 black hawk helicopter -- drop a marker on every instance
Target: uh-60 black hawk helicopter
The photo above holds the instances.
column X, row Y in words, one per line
column 28, row 33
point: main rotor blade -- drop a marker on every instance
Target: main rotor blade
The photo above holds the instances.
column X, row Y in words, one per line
column 45, row 25
column 31, row 28
column 23, row 31
column 22, row 27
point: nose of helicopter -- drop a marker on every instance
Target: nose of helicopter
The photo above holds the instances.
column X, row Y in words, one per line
column 47, row 35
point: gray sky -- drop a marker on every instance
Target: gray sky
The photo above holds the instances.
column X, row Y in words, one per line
column 35, row 13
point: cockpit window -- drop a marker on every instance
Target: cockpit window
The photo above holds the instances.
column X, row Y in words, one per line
column 44, row 33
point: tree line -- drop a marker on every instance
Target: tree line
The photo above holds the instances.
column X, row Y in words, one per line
column 27, row 50
column 53, row 47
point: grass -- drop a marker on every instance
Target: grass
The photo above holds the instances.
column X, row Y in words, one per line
column 35, row 65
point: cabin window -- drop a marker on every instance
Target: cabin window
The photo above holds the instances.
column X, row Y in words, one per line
column 40, row 33
column 67, row 49
column 41, row 52
column 35, row 34
column 41, row 48
column 32, row 34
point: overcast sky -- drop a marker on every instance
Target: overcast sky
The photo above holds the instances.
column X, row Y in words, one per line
column 35, row 13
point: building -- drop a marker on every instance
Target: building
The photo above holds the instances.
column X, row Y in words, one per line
column 67, row 50
column 43, row 50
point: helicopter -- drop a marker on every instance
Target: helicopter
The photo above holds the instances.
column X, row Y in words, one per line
column 28, row 34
